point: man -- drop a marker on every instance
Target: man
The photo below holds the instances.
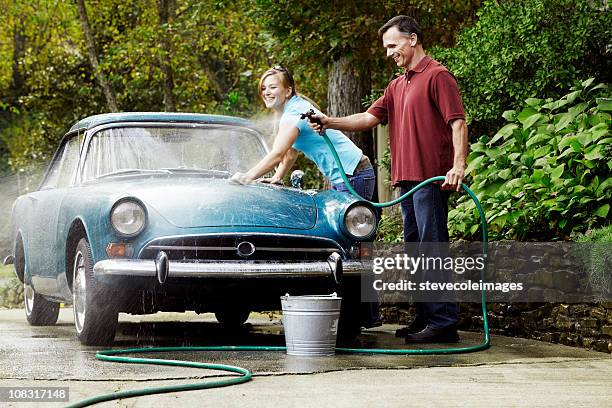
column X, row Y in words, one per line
column 428, row 137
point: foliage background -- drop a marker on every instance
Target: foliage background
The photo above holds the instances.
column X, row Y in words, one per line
column 522, row 49
column 502, row 53
column 545, row 175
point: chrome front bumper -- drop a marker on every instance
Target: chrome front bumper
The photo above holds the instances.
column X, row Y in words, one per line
column 163, row 268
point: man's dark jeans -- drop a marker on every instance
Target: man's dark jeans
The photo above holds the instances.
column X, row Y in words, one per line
column 425, row 215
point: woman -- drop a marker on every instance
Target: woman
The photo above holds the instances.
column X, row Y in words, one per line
column 277, row 90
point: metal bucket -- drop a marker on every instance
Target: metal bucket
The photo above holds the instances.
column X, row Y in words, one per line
column 311, row 324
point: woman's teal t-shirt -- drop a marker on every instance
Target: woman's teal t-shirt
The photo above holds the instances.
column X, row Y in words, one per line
column 314, row 147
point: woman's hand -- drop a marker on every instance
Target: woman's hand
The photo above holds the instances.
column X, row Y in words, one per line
column 241, row 178
column 271, row 180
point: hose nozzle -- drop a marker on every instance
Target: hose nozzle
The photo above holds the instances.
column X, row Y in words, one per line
column 309, row 115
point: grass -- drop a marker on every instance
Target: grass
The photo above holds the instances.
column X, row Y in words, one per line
column 6, row 271
column 603, row 234
column 11, row 289
column 597, row 259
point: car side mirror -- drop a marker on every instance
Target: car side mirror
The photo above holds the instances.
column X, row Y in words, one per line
column 297, row 179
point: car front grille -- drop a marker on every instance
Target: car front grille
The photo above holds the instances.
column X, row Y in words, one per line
column 251, row 247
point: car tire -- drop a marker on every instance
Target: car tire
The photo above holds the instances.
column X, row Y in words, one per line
column 39, row 311
column 232, row 318
column 95, row 316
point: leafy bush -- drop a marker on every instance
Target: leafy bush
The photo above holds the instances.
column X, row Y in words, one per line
column 530, row 47
column 390, row 228
column 545, row 174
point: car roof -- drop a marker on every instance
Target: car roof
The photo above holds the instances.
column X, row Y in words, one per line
column 96, row 120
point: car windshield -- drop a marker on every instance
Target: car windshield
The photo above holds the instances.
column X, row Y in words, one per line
column 213, row 150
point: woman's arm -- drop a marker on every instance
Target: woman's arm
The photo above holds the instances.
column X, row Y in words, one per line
column 287, row 133
column 284, row 167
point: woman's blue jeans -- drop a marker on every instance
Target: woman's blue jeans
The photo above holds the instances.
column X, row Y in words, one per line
column 363, row 183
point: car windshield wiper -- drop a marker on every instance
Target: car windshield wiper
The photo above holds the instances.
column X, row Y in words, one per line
column 206, row 172
column 124, row 172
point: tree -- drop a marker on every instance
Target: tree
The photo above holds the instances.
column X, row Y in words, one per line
column 19, row 43
column 44, row 80
column 165, row 11
column 341, row 36
column 194, row 62
column 186, row 55
column 93, row 58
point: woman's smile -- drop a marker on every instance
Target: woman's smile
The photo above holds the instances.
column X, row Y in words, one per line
column 273, row 93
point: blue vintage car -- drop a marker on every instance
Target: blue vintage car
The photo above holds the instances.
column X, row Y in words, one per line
column 136, row 214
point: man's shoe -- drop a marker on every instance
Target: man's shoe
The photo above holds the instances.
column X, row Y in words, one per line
column 372, row 324
column 434, row 335
column 416, row 326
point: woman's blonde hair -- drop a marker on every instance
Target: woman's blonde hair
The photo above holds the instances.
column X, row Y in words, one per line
column 286, row 80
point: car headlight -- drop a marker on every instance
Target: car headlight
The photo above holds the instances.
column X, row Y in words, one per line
column 128, row 217
column 360, row 221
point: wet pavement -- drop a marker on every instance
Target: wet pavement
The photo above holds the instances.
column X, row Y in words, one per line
column 53, row 356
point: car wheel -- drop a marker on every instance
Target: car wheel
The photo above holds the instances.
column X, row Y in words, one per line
column 95, row 314
column 232, row 318
column 39, row 311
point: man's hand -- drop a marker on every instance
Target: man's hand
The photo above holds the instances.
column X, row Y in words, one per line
column 318, row 122
column 455, row 177
column 241, row 178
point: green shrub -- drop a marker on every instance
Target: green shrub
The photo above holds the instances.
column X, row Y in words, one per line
column 546, row 173
column 390, row 228
column 529, row 47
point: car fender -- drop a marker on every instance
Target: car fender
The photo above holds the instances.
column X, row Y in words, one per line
column 19, row 212
column 331, row 204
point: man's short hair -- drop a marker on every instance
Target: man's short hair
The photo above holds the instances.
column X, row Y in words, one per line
column 405, row 24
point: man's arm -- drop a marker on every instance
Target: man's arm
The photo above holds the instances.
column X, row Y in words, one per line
column 358, row 122
column 455, row 176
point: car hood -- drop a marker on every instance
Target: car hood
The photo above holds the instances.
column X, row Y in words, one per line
column 204, row 202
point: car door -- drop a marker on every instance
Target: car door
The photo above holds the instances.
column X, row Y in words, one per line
column 43, row 246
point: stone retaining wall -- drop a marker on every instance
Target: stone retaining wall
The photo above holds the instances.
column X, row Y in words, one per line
column 578, row 325
column 553, row 272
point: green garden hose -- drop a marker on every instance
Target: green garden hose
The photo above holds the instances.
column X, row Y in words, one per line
column 483, row 221
column 246, row 375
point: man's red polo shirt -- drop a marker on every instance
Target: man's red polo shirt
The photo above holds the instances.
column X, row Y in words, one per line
column 419, row 106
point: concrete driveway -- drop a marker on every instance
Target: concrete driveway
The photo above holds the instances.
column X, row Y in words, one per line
column 513, row 372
